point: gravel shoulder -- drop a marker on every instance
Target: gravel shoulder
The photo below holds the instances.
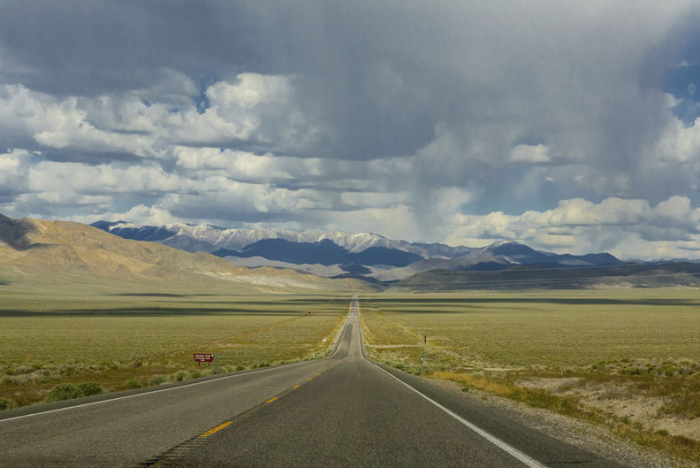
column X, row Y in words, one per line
column 581, row 434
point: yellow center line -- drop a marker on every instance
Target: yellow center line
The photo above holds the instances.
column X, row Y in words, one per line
column 272, row 399
column 318, row 373
column 295, row 387
column 216, row 429
column 310, row 378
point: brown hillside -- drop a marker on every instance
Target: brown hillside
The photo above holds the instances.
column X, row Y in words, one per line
column 35, row 248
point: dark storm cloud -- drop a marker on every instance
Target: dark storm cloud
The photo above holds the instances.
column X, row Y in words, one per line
column 361, row 67
column 378, row 76
column 427, row 109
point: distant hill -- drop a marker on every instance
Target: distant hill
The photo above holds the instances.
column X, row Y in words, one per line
column 35, row 249
column 325, row 252
column 528, row 277
column 42, row 251
column 520, row 254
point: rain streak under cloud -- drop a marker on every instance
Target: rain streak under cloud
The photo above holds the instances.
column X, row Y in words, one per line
column 569, row 126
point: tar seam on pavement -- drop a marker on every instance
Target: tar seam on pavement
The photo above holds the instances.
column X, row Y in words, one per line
column 177, row 452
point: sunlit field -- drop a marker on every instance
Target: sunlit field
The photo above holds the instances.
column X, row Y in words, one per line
column 129, row 339
column 628, row 358
column 543, row 329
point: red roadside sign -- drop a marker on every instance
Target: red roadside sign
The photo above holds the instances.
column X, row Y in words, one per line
column 201, row 357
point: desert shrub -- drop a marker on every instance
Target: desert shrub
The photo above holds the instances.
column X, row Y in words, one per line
column 156, row 380
column 180, row 376
column 6, row 381
column 90, row 388
column 133, row 383
column 68, row 371
column 194, row 374
column 6, row 403
column 240, row 367
column 64, row 391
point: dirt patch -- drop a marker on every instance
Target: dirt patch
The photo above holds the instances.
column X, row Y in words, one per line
column 618, row 400
column 687, row 427
column 551, row 384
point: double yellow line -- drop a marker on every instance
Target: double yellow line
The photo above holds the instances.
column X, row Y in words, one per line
column 226, row 424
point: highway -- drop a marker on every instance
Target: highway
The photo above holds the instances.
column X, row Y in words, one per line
column 339, row 411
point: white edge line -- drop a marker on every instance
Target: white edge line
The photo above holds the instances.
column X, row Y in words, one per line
column 531, row 462
column 101, row 402
column 179, row 387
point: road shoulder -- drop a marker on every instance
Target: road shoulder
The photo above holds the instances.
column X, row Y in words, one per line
column 580, row 434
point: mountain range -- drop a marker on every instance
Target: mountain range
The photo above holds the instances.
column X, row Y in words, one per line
column 45, row 252
column 50, row 256
column 336, row 254
column 206, row 238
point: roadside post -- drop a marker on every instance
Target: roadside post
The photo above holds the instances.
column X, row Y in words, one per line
column 422, row 358
column 216, row 363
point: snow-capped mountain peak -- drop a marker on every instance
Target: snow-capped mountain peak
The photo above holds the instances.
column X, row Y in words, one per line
column 232, row 241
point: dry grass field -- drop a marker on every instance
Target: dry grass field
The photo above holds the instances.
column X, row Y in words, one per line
column 629, row 359
column 123, row 337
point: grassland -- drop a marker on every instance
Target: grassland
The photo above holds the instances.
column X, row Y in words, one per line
column 126, row 335
column 629, row 359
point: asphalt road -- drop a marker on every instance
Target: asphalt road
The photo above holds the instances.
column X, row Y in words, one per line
column 338, row 411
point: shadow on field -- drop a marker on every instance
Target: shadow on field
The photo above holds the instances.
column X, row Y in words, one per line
column 543, row 300
column 146, row 294
column 296, row 301
column 280, row 303
column 155, row 312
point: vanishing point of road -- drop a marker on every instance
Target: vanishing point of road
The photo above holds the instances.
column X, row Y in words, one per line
column 341, row 411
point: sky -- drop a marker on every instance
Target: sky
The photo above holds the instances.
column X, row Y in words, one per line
column 570, row 126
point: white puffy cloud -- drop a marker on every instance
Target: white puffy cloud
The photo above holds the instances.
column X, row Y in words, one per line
column 220, row 198
column 679, row 143
column 530, row 154
column 14, row 166
column 581, row 226
column 53, row 176
column 255, row 108
column 146, row 216
column 246, row 166
column 397, row 222
column 140, row 215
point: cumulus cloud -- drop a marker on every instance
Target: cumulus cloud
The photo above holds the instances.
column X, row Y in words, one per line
column 140, row 215
column 104, row 178
column 580, row 226
column 395, row 221
column 556, row 126
column 14, row 166
column 246, row 166
column 530, row 153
